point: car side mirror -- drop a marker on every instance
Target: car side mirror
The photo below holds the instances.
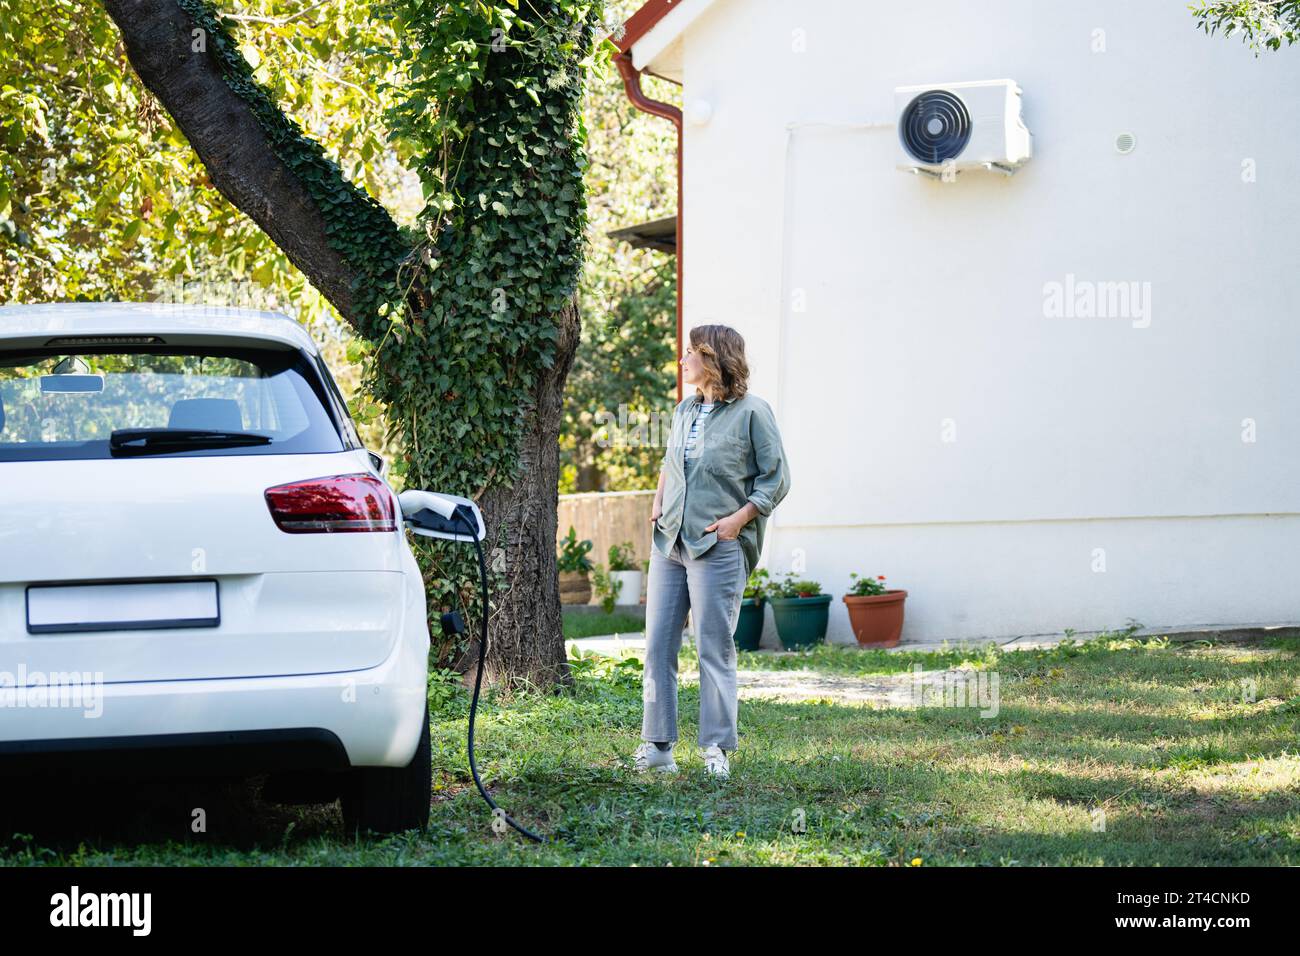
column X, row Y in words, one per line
column 440, row 516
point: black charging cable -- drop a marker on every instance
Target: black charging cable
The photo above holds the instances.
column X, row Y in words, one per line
column 497, row 812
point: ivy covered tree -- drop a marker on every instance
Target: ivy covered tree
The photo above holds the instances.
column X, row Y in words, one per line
column 467, row 317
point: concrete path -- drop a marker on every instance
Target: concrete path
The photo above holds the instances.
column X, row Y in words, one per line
column 616, row 644
column 912, row 688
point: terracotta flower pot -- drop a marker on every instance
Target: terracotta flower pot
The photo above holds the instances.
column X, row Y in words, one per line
column 575, row 587
column 877, row 620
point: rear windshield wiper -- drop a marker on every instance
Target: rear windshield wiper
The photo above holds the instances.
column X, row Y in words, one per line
column 144, row 441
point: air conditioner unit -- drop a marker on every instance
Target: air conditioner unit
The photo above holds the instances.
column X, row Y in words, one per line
column 958, row 126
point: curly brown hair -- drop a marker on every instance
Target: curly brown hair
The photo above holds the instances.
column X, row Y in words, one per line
column 723, row 353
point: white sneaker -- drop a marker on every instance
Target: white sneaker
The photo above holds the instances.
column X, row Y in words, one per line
column 715, row 763
column 650, row 757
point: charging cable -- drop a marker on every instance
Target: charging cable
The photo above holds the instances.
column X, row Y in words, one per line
column 435, row 516
column 497, row 812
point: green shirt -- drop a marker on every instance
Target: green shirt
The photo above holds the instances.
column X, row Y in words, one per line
column 737, row 457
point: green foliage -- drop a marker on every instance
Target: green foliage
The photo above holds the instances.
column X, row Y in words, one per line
column 792, row 587
column 573, row 553
column 500, row 160
column 102, row 198
column 97, row 191
column 759, row 585
column 866, row 586
column 356, row 226
column 624, row 373
column 621, row 557
column 1261, row 24
column 620, row 395
column 446, row 694
column 607, row 587
column 590, row 670
column 490, row 114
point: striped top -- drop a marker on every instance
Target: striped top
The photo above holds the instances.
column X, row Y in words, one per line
column 696, row 425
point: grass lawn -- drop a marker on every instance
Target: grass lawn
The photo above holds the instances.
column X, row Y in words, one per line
column 598, row 625
column 1158, row 735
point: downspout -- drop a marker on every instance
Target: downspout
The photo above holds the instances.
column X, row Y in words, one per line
column 632, row 85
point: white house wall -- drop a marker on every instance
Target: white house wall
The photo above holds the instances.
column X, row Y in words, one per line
column 1017, row 472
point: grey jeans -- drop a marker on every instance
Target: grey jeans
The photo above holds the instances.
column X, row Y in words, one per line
column 710, row 587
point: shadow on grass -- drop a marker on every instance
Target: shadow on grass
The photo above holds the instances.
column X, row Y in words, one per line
column 63, row 813
column 1158, row 738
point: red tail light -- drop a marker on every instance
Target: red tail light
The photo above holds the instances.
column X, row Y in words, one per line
column 340, row 503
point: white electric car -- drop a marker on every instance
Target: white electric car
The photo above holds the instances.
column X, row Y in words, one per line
column 201, row 568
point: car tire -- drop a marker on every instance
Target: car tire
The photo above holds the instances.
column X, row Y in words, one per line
column 391, row 799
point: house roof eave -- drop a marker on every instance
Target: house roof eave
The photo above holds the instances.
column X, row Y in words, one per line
column 653, row 30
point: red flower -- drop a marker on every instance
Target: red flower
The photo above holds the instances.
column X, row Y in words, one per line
column 880, row 577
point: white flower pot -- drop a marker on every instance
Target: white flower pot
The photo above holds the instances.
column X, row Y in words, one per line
column 630, row 593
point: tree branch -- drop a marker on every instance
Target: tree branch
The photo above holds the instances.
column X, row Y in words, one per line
column 178, row 63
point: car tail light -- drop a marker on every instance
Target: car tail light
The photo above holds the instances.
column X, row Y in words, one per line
column 340, row 503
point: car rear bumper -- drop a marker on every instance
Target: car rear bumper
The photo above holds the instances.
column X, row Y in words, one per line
column 367, row 718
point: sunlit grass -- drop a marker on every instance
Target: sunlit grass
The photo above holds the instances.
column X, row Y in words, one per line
column 1114, row 752
column 601, row 624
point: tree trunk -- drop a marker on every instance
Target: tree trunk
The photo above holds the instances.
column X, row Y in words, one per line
column 526, row 629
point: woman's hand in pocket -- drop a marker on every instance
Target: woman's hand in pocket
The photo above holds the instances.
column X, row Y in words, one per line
column 728, row 528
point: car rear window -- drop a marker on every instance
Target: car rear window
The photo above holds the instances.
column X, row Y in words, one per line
column 67, row 405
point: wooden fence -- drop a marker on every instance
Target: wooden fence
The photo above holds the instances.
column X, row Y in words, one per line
column 607, row 518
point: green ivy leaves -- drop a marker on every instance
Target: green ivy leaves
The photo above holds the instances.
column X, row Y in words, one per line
column 461, row 313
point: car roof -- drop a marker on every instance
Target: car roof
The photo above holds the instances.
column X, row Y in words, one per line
column 192, row 323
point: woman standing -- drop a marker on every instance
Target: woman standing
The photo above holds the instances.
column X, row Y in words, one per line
column 723, row 473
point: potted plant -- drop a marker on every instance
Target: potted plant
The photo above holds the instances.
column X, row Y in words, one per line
column 875, row 611
column 749, row 628
column 623, row 568
column 573, row 565
column 607, row 588
column 800, row 609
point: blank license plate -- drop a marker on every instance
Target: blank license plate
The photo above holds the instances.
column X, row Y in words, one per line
column 61, row 609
